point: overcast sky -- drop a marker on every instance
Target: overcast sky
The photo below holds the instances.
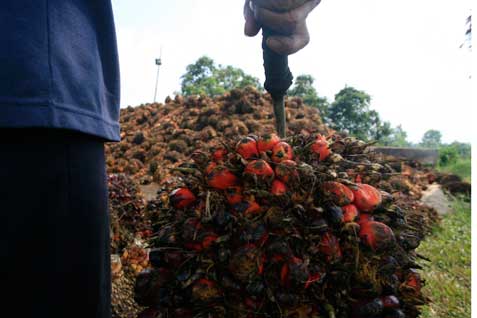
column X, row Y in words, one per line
column 405, row 54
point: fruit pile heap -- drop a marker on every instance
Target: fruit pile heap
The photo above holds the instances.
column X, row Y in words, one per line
column 282, row 228
column 155, row 137
column 129, row 225
column 126, row 210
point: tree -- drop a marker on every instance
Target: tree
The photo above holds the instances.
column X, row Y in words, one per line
column 303, row 88
column 350, row 113
column 205, row 78
column 397, row 138
column 431, row 139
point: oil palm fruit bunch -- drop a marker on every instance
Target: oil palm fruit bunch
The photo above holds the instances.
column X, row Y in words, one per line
column 281, row 228
column 126, row 207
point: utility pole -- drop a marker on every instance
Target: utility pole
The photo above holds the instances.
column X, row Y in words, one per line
column 158, row 63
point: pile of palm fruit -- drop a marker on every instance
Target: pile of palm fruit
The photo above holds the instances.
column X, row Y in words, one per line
column 299, row 227
column 156, row 137
column 129, row 227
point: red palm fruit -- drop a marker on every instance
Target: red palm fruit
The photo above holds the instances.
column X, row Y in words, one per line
column 205, row 290
column 252, row 208
column 247, row 148
column 221, row 178
column 350, row 213
column 366, row 197
column 294, row 273
column 321, row 148
column 282, row 151
column 338, row 193
column 278, row 187
column 219, row 154
column 413, row 281
column 365, row 217
column 390, row 301
column 210, row 167
column 358, row 179
column 378, row 236
column 234, row 194
column 261, row 263
column 259, row 168
column 209, row 240
column 286, row 171
column 330, row 247
column 313, row 278
column 182, row 198
column 284, row 274
column 266, row 142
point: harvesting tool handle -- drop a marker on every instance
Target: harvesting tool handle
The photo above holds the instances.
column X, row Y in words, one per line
column 278, row 77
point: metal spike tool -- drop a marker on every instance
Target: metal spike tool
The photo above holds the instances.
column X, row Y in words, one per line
column 278, row 79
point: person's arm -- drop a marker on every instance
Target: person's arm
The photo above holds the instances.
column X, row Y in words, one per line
column 286, row 17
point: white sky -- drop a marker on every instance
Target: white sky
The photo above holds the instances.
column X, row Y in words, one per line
column 405, row 54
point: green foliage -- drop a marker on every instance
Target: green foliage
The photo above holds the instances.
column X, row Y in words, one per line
column 303, row 88
column 462, row 167
column 350, row 113
column 455, row 158
column 431, row 139
column 397, row 138
column 448, row 276
column 462, row 148
column 448, row 155
column 205, row 78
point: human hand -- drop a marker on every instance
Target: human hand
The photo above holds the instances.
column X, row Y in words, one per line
column 286, row 17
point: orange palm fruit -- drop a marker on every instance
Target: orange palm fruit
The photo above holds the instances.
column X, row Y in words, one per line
column 266, row 142
column 365, row 217
column 338, row 193
column 366, row 197
column 413, row 281
column 210, row 167
column 350, row 213
column 234, row 194
column 378, row 236
column 278, row 187
column 253, row 208
column 221, row 178
column 282, row 151
column 321, row 148
column 259, row 168
column 182, row 198
column 330, row 247
column 247, row 148
column 286, row 171
column 219, row 154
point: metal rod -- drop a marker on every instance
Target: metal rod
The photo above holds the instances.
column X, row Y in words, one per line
column 157, row 80
column 279, row 110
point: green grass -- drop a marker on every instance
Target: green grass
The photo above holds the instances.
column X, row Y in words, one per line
column 462, row 168
column 448, row 276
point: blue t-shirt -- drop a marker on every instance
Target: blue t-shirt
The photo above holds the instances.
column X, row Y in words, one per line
column 59, row 66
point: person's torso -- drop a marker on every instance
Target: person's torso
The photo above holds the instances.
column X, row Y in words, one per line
column 60, row 55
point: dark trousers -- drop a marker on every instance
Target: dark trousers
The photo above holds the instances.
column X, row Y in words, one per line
column 54, row 231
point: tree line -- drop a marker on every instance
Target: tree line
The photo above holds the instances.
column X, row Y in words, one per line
column 349, row 112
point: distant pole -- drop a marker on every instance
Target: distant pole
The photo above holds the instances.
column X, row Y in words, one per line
column 158, row 63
